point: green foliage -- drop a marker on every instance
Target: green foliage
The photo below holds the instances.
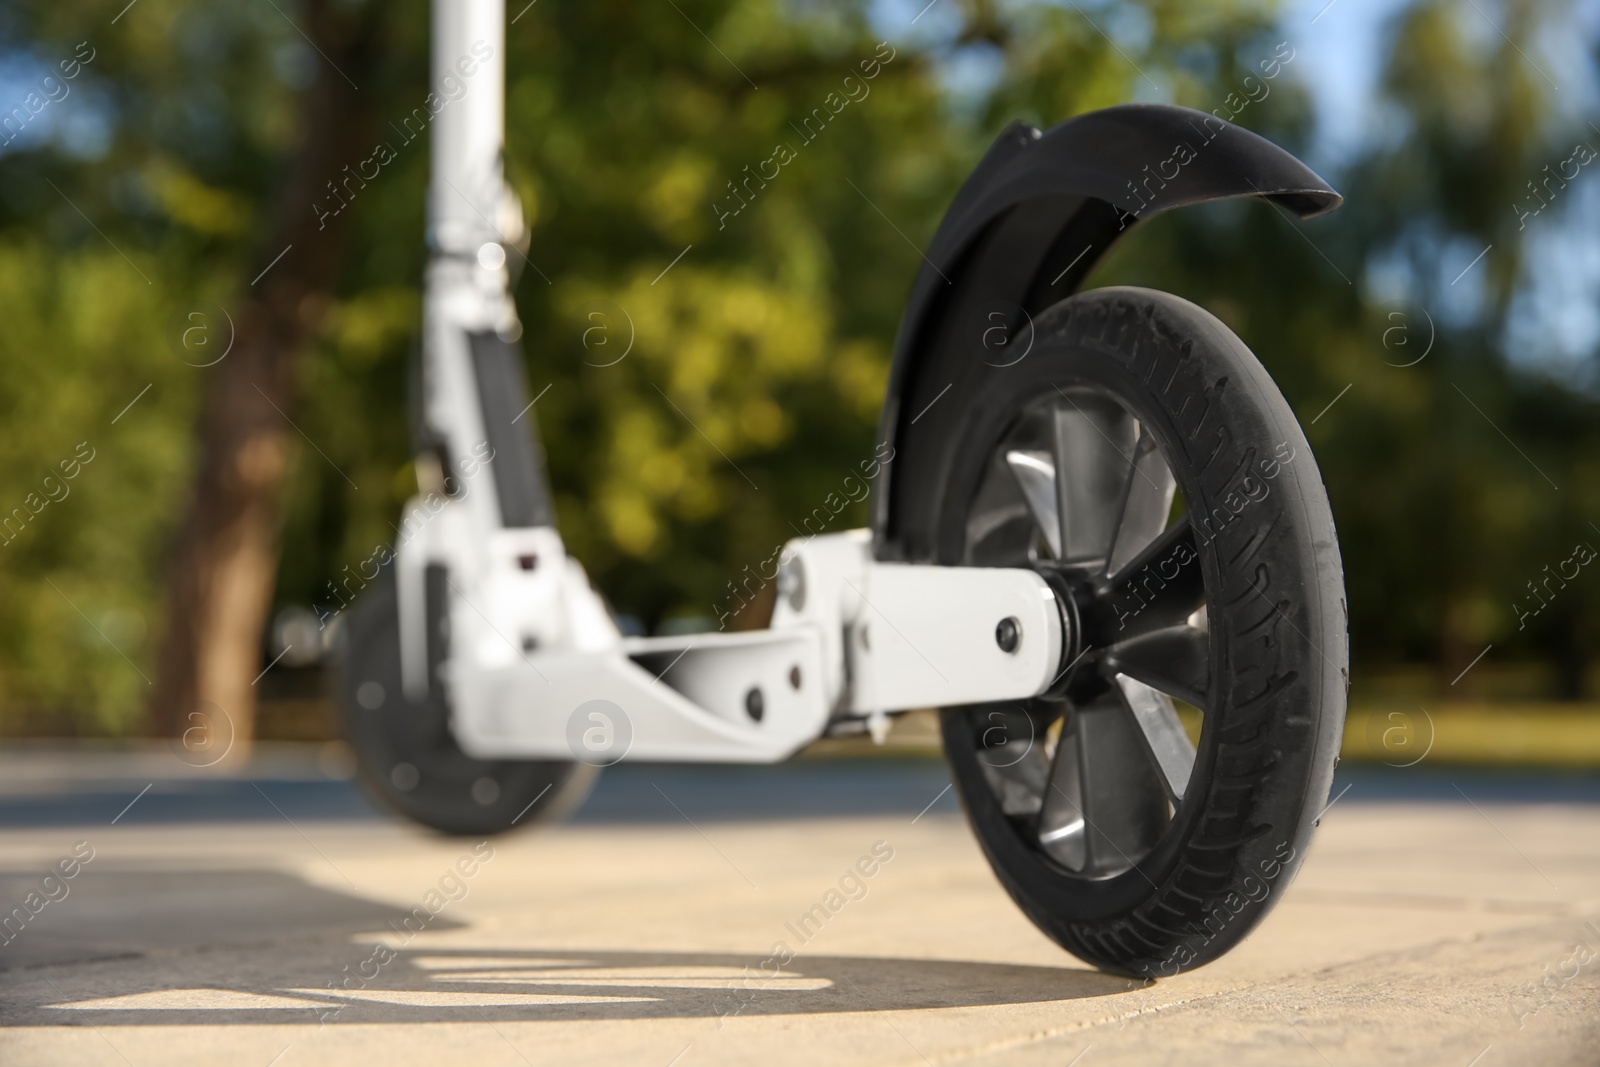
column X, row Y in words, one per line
column 759, row 339
column 88, row 495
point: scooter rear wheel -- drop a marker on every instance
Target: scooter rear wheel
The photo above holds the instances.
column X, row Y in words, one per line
column 405, row 752
column 1142, row 458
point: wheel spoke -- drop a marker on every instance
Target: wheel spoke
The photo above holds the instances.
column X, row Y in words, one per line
column 1011, row 753
column 1080, row 479
column 1175, row 660
column 1145, row 505
column 1035, row 473
column 1001, row 527
column 1163, row 733
column 1093, row 443
column 1106, row 806
column 1161, row 587
column 1061, row 825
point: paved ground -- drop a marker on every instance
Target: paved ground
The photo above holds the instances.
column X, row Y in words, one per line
column 235, row 922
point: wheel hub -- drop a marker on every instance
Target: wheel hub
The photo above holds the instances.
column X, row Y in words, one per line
column 1078, row 490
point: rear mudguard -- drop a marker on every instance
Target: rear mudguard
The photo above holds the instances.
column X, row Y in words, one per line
column 1026, row 229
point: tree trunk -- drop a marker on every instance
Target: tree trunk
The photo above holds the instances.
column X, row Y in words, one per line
column 224, row 566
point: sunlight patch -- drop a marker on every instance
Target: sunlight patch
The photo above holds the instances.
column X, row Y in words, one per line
column 192, row 999
column 501, row 962
column 442, row 998
column 667, row 977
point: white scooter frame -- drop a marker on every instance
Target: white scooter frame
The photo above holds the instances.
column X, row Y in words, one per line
column 537, row 668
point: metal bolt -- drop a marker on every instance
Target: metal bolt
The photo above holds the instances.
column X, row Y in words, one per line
column 486, row 791
column 404, row 777
column 792, row 584
column 1008, row 634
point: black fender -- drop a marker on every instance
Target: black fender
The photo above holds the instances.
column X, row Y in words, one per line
column 1023, row 233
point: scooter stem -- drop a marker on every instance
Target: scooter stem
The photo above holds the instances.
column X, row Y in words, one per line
column 478, row 447
column 467, row 198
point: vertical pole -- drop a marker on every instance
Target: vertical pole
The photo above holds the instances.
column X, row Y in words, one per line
column 466, row 199
column 473, row 223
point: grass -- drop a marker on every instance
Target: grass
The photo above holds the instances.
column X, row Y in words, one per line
column 1522, row 735
column 1528, row 734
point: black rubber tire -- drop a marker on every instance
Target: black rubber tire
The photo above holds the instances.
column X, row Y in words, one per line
column 1279, row 632
column 448, row 793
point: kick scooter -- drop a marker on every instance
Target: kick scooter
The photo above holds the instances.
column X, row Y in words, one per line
column 1101, row 547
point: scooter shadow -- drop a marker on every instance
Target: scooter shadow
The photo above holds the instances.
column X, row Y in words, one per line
column 236, row 947
column 474, row 984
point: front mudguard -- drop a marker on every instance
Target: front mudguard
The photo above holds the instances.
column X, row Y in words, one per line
column 1026, row 229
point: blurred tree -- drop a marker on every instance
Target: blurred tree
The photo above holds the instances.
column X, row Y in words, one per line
column 756, row 318
column 224, row 569
column 1444, row 472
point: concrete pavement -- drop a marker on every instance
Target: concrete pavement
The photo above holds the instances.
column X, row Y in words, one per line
column 1430, row 925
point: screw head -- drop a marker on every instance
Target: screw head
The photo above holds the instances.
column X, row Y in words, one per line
column 792, row 584
column 754, row 704
column 405, row 776
column 1008, row 634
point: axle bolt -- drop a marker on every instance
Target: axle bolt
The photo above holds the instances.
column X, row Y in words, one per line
column 1008, row 634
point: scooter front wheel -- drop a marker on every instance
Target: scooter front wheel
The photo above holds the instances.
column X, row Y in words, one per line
column 405, row 752
column 1151, row 808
